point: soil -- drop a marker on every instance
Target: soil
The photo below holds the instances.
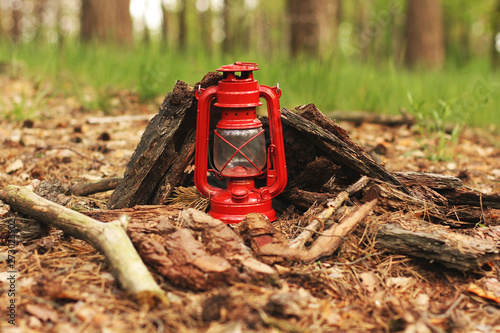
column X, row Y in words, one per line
column 63, row 284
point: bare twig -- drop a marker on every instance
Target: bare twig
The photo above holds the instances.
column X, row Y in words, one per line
column 71, row 150
column 325, row 244
column 110, row 238
column 332, row 206
column 102, row 185
column 119, row 119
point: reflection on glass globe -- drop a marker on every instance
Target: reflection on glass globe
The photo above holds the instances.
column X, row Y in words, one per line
column 247, row 161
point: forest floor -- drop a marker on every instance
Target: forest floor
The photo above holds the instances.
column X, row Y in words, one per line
column 63, row 284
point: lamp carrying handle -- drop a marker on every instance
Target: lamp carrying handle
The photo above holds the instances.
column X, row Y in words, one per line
column 204, row 97
column 277, row 176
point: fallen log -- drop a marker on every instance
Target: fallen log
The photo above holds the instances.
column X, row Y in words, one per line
column 450, row 188
column 109, row 238
column 422, row 240
column 359, row 117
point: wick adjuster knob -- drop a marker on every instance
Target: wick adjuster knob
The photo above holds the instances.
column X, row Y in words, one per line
column 239, row 193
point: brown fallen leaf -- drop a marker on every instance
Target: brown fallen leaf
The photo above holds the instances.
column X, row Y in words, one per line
column 42, row 312
column 488, row 288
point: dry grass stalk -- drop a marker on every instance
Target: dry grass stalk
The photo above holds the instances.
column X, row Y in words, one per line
column 189, row 197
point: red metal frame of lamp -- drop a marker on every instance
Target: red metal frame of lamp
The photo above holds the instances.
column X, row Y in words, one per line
column 239, row 95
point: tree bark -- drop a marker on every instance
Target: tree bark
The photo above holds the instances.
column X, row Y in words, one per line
column 432, row 180
column 203, row 255
column 162, row 158
column 424, row 34
column 451, row 249
column 341, row 152
column 106, row 21
column 166, row 147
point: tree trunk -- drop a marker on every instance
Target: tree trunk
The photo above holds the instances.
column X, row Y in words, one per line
column 424, row 34
column 227, row 42
column 2, row 29
column 328, row 23
column 304, row 27
column 39, row 8
column 495, row 22
column 164, row 26
column 362, row 38
column 106, row 21
column 183, row 25
column 17, row 15
column 205, row 25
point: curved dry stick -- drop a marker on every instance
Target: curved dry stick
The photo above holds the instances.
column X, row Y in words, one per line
column 332, row 238
column 109, row 238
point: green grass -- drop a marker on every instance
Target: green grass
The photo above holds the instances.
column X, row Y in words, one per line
column 471, row 93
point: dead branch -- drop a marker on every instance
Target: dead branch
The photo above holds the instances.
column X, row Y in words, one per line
column 102, row 185
column 305, row 199
column 332, row 206
column 109, row 238
column 323, row 246
column 331, row 239
column 391, row 198
column 119, row 119
column 359, row 117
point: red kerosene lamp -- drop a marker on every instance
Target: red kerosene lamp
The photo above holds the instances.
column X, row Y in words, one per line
column 240, row 154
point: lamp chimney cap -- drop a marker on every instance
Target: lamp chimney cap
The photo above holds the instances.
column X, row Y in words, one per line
column 239, row 66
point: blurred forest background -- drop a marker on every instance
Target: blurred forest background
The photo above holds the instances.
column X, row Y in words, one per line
column 434, row 58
